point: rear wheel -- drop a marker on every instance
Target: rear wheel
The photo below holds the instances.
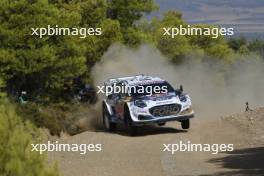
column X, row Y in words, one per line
column 185, row 124
column 109, row 126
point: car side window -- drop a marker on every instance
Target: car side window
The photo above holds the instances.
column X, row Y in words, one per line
column 121, row 94
column 113, row 96
column 117, row 96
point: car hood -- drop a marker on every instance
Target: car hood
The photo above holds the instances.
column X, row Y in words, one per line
column 158, row 97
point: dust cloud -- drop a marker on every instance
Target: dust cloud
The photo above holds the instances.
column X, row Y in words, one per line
column 216, row 89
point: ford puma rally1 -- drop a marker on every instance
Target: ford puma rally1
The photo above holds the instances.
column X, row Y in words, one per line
column 141, row 100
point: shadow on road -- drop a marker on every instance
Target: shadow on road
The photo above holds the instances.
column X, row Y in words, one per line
column 142, row 131
column 245, row 162
column 150, row 130
column 96, row 125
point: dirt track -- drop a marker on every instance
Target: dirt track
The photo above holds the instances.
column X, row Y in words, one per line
column 143, row 155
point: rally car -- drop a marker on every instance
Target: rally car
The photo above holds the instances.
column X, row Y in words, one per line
column 135, row 101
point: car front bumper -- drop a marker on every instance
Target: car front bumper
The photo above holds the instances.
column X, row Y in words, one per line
column 153, row 120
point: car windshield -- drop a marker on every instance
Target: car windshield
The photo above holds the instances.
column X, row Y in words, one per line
column 151, row 89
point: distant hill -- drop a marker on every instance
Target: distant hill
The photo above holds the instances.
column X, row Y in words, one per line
column 247, row 17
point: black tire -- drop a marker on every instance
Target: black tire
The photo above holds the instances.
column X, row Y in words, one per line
column 162, row 123
column 109, row 126
column 132, row 130
column 185, row 124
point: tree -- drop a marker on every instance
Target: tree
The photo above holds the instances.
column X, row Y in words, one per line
column 174, row 48
column 38, row 65
column 92, row 14
column 16, row 157
column 2, row 85
column 236, row 43
column 243, row 50
column 220, row 52
column 127, row 12
column 257, row 46
column 181, row 47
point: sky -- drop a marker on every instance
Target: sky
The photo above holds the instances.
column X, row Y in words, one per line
column 246, row 16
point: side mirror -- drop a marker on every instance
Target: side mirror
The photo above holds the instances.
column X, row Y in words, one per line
column 181, row 88
column 179, row 91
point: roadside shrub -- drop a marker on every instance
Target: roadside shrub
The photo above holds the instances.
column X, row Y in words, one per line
column 57, row 118
column 16, row 137
column 43, row 116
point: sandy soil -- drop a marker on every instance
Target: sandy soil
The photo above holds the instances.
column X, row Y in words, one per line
column 143, row 155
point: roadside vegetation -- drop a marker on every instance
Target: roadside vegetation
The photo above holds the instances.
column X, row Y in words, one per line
column 16, row 137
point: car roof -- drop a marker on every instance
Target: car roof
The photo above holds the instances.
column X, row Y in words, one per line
column 135, row 80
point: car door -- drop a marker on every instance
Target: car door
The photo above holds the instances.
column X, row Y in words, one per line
column 119, row 103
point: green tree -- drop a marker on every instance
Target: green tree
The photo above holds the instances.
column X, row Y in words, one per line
column 96, row 46
column 127, row 12
column 16, row 157
column 236, row 43
column 2, row 86
column 220, row 52
column 257, row 46
column 93, row 14
column 182, row 47
column 174, row 48
column 43, row 66
column 243, row 50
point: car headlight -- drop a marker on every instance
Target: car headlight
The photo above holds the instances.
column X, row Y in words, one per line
column 183, row 98
column 140, row 103
column 187, row 111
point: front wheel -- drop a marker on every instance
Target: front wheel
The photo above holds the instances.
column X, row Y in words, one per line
column 132, row 130
column 162, row 124
column 185, row 124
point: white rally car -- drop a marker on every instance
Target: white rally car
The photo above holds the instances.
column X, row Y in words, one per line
column 140, row 100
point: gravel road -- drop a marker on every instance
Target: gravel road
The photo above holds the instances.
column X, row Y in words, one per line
column 143, row 155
